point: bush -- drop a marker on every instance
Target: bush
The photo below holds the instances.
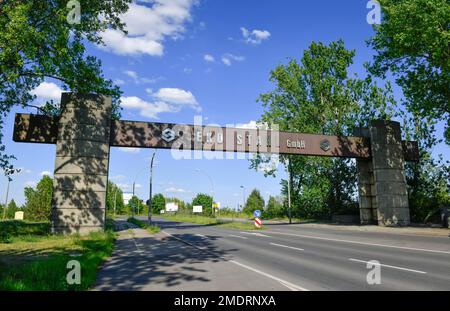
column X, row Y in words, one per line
column 12, row 228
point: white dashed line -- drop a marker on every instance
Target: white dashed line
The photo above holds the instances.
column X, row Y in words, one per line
column 361, row 243
column 388, row 266
column 238, row 236
column 255, row 234
column 285, row 246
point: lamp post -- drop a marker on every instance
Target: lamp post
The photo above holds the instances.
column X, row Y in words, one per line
column 150, row 193
column 8, row 172
column 210, row 180
column 289, row 191
column 134, row 187
column 243, row 193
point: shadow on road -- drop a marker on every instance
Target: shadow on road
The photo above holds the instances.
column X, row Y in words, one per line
column 157, row 263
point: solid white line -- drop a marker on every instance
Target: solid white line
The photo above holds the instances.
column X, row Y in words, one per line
column 362, row 243
column 289, row 285
column 285, row 246
column 388, row 266
column 238, row 236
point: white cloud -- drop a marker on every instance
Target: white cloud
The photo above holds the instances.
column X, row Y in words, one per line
column 137, row 185
column 23, row 170
column 228, row 58
column 123, row 186
column 255, row 36
column 119, row 82
column 46, row 173
column 149, row 26
column 139, row 80
column 176, row 96
column 165, row 100
column 48, row 91
column 117, row 177
column 176, row 190
column 147, row 109
column 209, row 58
column 129, row 150
column 226, row 61
column 30, row 184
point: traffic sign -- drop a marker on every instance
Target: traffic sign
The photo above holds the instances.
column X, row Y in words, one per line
column 258, row 222
column 257, row 213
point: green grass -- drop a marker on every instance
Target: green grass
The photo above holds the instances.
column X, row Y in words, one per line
column 33, row 262
column 14, row 228
column 205, row 220
column 142, row 224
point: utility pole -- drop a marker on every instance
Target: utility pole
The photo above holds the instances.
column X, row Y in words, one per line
column 8, row 172
column 132, row 201
column 115, row 194
column 243, row 193
column 150, row 186
column 6, row 200
column 289, row 191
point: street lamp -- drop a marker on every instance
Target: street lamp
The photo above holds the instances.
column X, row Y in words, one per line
column 243, row 193
column 289, row 191
column 210, row 180
column 134, row 187
column 150, row 195
column 8, row 172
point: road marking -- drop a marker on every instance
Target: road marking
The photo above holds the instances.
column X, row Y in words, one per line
column 255, row 234
column 285, row 246
column 291, row 286
column 200, row 235
column 388, row 266
column 238, row 236
column 362, row 243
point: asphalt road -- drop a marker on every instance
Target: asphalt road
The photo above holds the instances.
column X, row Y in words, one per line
column 306, row 258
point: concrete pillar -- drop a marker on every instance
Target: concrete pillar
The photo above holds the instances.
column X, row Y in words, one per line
column 389, row 190
column 367, row 203
column 81, row 167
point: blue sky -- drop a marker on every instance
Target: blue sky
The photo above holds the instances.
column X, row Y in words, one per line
column 210, row 58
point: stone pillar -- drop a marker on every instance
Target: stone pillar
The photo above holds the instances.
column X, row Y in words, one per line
column 391, row 197
column 367, row 203
column 81, row 167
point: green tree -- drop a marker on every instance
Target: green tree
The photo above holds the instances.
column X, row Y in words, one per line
column 37, row 43
column 137, row 206
column 38, row 202
column 158, row 203
column 274, row 208
column 12, row 209
column 254, row 202
column 428, row 180
column 316, row 95
column 205, row 201
column 413, row 43
column 114, row 192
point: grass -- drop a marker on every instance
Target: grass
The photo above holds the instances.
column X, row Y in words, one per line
column 141, row 224
column 32, row 262
column 205, row 220
column 14, row 228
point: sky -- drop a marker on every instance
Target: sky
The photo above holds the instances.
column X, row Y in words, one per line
column 207, row 58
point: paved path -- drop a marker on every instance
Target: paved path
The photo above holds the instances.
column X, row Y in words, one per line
column 280, row 258
column 159, row 262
